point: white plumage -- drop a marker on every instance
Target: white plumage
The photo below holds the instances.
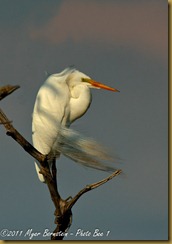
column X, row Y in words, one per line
column 63, row 98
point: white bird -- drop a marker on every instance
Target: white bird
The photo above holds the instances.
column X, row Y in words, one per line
column 63, row 98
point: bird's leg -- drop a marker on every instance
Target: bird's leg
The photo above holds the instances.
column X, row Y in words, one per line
column 54, row 172
column 52, row 165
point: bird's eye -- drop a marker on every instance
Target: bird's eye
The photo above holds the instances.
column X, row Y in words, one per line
column 85, row 80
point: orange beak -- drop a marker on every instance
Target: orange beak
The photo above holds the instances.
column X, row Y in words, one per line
column 101, row 86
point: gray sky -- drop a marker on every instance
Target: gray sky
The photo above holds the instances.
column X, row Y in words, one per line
column 124, row 45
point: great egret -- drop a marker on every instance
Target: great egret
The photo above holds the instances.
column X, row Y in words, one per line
column 63, row 98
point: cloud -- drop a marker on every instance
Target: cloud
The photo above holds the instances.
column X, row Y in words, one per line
column 141, row 25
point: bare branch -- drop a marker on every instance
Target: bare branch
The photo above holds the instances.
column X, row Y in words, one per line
column 6, row 90
column 11, row 131
column 91, row 187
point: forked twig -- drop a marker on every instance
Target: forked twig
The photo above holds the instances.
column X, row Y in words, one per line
column 91, row 187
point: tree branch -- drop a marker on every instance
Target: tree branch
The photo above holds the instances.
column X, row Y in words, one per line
column 6, row 90
column 91, row 187
column 11, row 131
column 63, row 208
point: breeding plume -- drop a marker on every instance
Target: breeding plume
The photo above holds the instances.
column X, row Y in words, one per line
column 63, row 98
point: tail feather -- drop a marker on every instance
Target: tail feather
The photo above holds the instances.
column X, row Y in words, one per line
column 83, row 150
column 80, row 149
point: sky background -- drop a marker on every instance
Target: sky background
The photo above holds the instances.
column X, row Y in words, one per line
column 123, row 44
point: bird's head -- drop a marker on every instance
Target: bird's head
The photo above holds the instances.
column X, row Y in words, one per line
column 79, row 78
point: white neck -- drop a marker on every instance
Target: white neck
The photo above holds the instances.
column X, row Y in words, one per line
column 79, row 102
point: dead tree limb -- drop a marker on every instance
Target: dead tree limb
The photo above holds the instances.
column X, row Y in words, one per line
column 6, row 90
column 63, row 213
column 91, row 187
